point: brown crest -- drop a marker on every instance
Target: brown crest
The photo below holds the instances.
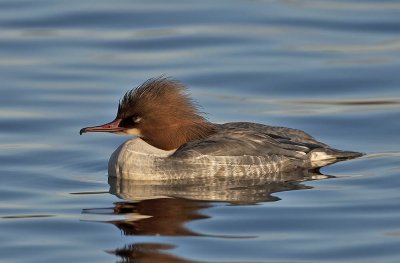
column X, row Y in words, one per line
column 163, row 112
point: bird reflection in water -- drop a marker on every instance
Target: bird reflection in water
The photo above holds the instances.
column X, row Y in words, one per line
column 164, row 208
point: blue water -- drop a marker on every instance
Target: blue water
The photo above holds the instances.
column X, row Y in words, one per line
column 330, row 68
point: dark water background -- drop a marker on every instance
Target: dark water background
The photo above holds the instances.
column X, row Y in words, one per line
column 331, row 68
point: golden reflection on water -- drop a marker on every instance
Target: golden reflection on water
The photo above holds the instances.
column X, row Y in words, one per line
column 24, row 146
column 12, row 114
column 315, row 106
column 362, row 47
column 344, row 5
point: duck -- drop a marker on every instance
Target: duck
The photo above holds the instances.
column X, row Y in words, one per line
column 173, row 140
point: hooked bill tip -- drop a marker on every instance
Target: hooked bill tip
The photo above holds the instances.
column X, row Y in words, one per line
column 82, row 131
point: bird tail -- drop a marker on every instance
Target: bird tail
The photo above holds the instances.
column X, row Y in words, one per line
column 324, row 156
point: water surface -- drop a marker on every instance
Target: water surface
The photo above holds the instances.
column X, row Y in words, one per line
column 330, row 68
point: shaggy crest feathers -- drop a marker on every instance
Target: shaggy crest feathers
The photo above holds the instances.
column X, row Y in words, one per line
column 169, row 116
column 156, row 93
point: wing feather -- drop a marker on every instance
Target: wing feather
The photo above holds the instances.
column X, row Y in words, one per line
column 238, row 139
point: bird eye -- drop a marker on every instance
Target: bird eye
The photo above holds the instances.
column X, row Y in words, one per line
column 129, row 122
column 136, row 119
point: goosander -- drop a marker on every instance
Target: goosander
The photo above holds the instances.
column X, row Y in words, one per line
column 174, row 141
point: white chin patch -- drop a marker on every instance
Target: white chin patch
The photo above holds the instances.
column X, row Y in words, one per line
column 320, row 156
column 132, row 132
column 319, row 159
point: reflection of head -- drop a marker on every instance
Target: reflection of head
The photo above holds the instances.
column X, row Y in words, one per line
column 147, row 253
column 164, row 216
